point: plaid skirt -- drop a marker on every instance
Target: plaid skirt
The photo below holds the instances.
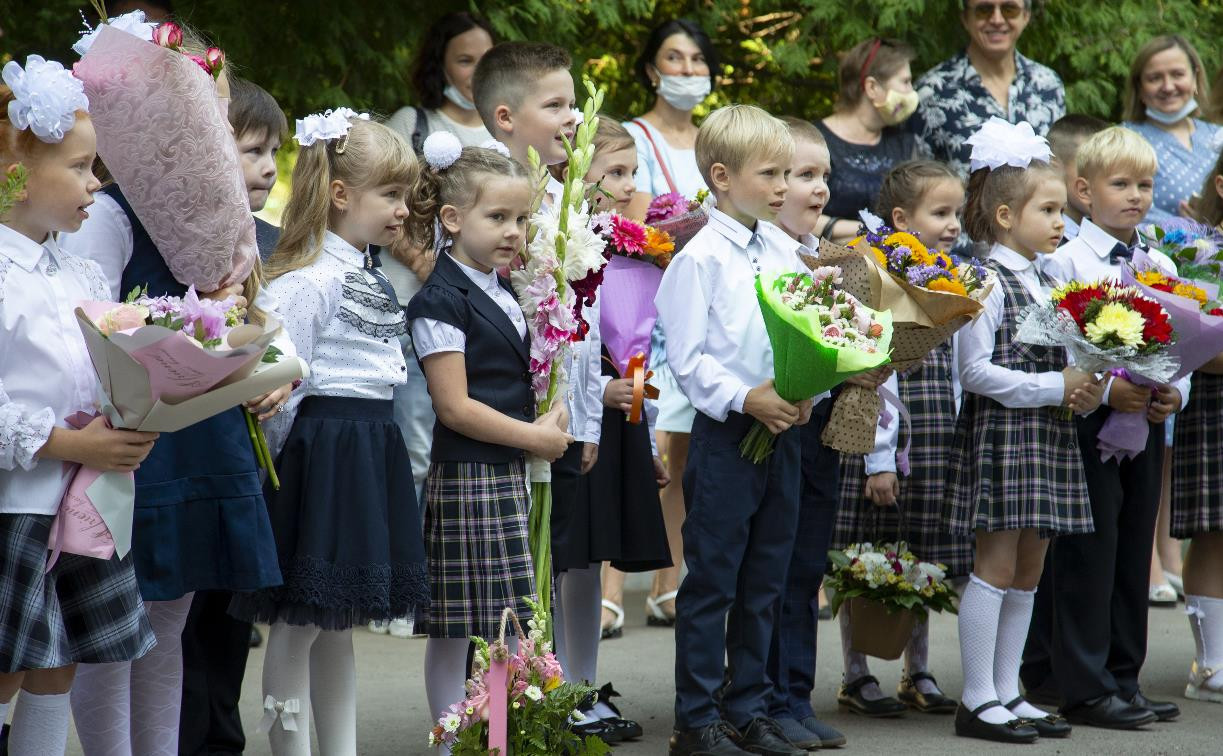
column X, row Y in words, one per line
column 929, row 396
column 1012, row 469
column 1197, row 461
column 85, row 610
column 476, row 544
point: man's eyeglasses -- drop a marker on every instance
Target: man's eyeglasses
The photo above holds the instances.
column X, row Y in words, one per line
column 985, row 11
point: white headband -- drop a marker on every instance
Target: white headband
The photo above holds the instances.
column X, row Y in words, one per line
column 45, row 97
column 330, row 124
column 999, row 143
column 441, row 149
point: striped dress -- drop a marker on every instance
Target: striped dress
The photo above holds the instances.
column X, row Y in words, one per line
column 1197, row 461
column 929, row 395
column 1016, row 468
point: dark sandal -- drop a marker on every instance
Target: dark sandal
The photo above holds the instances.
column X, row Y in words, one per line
column 850, row 697
column 926, row 703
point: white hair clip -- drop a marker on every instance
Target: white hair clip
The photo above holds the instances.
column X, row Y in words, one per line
column 133, row 23
column 872, row 222
column 999, row 143
column 441, row 149
column 330, row 124
column 46, row 97
column 496, row 146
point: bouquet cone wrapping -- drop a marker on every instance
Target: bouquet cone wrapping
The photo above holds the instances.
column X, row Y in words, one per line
column 628, row 313
column 164, row 138
column 851, row 424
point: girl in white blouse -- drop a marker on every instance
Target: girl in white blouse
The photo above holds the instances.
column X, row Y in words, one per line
column 83, row 609
column 471, row 338
column 346, row 520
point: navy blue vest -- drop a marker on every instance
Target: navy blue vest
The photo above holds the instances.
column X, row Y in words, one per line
column 497, row 359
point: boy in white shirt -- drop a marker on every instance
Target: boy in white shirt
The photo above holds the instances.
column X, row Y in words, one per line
column 1066, row 135
column 1088, row 636
column 741, row 520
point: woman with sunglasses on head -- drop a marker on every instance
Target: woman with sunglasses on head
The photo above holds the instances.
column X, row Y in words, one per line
column 865, row 141
column 990, row 78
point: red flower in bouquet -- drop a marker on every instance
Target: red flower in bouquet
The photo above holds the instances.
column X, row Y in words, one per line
column 1157, row 328
column 1075, row 302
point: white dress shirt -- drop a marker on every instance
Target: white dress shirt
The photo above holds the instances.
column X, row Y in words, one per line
column 432, row 336
column 1071, row 230
column 717, row 345
column 883, row 458
column 45, row 371
column 106, row 238
column 1086, row 258
column 975, row 346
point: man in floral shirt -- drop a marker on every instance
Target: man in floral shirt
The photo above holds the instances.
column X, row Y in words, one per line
column 988, row 79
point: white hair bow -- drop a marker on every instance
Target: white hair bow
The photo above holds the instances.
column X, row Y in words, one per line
column 999, row 143
column 45, row 97
column 133, row 23
column 330, row 124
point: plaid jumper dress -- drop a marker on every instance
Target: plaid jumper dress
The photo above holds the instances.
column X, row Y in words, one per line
column 929, row 395
column 1197, row 461
column 1016, row 468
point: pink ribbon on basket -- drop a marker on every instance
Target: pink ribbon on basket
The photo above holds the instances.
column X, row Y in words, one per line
column 885, row 419
column 497, row 679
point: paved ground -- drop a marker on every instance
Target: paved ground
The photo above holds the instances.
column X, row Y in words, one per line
column 394, row 721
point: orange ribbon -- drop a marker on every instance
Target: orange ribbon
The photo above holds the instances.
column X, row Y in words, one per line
column 641, row 389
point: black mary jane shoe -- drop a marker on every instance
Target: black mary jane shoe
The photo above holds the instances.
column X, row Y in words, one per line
column 850, row 697
column 1049, row 726
column 927, row 703
column 597, row 727
column 619, row 728
column 968, row 725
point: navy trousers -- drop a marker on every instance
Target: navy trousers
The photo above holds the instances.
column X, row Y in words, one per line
column 738, row 537
column 1089, row 630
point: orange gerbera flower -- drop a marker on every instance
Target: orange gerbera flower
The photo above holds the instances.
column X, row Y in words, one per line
column 658, row 242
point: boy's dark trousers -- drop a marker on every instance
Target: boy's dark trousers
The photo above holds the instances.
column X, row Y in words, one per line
column 738, row 537
column 1088, row 636
column 215, row 647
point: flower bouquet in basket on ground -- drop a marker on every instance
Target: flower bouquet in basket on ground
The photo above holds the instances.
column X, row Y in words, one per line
column 1107, row 328
column 680, row 218
column 930, row 294
column 556, row 276
column 637, row 255
column 886, row 590
column 820, row 336
column 517, row 704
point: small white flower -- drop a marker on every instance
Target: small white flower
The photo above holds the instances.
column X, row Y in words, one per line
column 46, row 97
column 133, row 23
column 533, row 692
column 441, row 149
column 451, row 722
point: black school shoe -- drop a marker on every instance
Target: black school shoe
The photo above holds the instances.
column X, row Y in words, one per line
column 764, row 736
column 619, row 728
column 1165, row 711
column 927, row 703
column 1049, row 726
column 1110, row 713
column 716, row 739
column 968, row 725
column 850, row 697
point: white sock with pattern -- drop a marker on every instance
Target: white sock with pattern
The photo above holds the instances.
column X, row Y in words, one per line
column 102, row 708
column 978, row 622
column 917, row 655
column 40, row 725
column 157, row 681
column 1013, row 622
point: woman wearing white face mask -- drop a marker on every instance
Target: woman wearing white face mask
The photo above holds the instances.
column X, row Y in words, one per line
column 680, row 65
column 1161, row 102
column 875, row 96
column 441, row 77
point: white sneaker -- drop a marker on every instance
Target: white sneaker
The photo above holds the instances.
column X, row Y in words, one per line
column 378, row 627
column 402, row 627
column 1198, row 690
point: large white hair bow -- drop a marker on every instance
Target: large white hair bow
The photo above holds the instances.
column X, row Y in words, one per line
column 1000, row 143
column 330, row 124
column 45, row 97
column 133, row 23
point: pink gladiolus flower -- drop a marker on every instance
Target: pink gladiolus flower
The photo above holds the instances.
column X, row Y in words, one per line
column 169, row 35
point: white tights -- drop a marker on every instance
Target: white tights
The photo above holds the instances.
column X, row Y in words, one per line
column 129, row 708
column 305, row 664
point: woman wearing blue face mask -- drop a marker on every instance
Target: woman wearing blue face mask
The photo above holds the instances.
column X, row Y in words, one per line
column 1161, row 103
column 441, row 77
column 679, row 64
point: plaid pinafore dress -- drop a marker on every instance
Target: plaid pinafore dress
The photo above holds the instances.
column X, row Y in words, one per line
column 1197, row 460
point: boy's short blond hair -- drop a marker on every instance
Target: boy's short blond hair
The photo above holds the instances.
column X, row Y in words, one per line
column 737, row 135
column 1115, row 149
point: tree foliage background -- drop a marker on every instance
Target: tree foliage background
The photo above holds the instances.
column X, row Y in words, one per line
column 782, row 55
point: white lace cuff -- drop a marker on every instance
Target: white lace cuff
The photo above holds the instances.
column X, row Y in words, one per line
column 431, row 336
column 22, row 433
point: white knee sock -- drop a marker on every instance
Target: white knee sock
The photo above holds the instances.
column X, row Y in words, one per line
column 40, row 725
column 917, row 654
column 856, row 665
column 102, row 708
column 979, row 611
column 333, row 693
column 157, row 681
column 1206, row 619
column 1013, row 622
column 286, row 686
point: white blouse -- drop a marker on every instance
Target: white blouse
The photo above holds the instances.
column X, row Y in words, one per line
column 433, row 336
column 45, row 373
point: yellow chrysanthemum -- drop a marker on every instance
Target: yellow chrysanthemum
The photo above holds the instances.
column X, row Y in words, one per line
column 880, row 257
column 1188, row 290
column 854, row 242
column 903, row 238
column 1151, row 278
column 1116, row 320
column 948, row 285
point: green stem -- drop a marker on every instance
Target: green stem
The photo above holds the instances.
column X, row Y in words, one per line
column 267, row 457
